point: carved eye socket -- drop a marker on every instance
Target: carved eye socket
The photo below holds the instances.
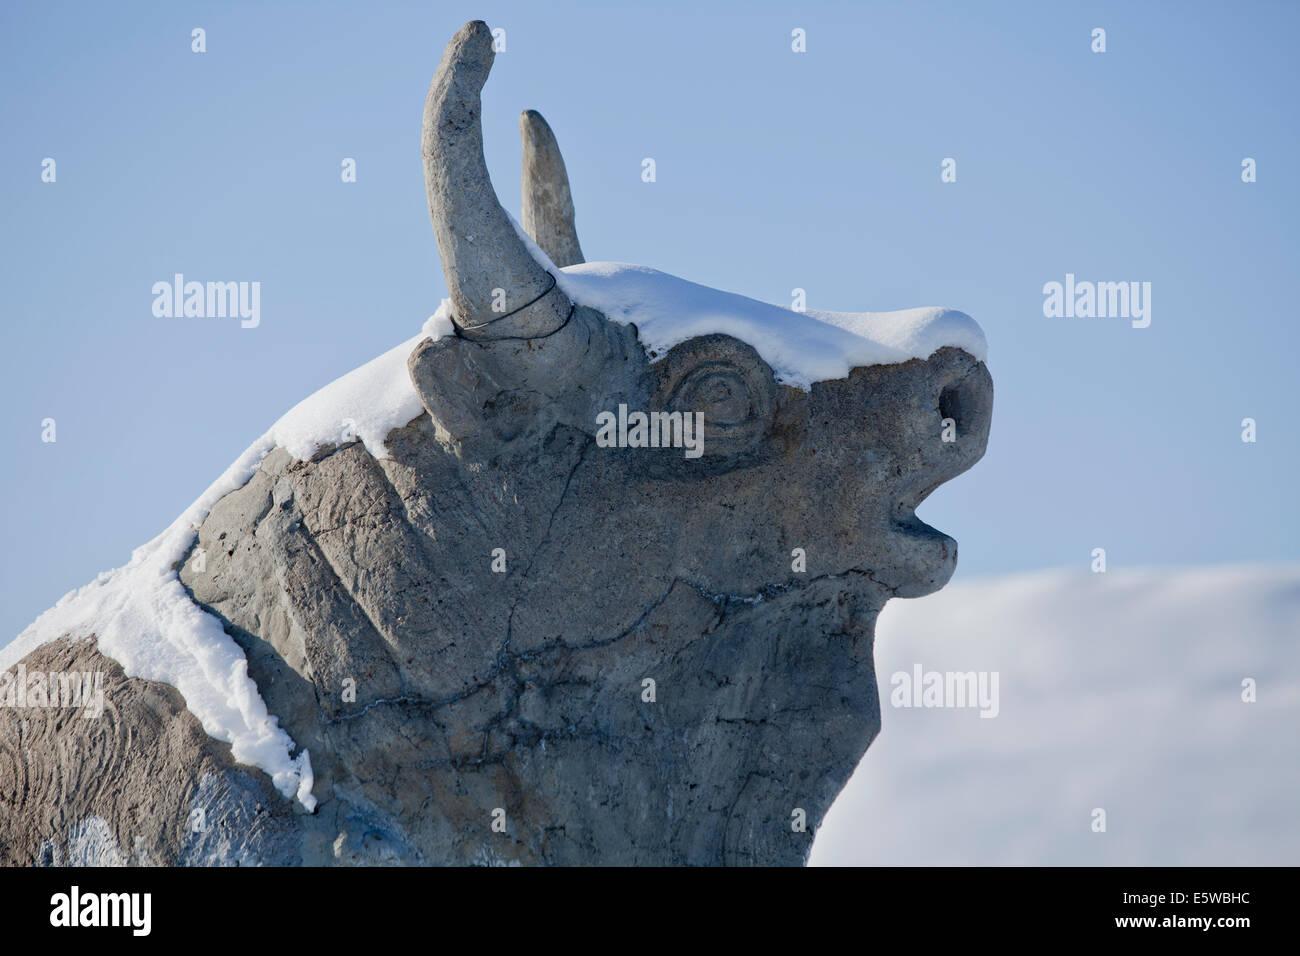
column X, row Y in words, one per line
column 729, row 383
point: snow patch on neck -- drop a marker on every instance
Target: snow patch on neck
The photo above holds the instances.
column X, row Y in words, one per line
column 142, row 616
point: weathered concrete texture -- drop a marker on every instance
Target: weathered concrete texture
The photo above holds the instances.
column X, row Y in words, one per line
column 523, row 690
column 617, row 655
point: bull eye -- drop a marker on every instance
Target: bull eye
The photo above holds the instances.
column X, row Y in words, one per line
column 729, row 384
column 717, row 390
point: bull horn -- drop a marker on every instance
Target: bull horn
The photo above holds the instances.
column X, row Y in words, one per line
column 498, row 290
column 548, row 204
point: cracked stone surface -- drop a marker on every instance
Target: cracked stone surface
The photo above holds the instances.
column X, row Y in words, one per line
column 477, row 690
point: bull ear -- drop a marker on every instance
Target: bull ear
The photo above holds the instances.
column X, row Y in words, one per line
column 498, row 290
column 548, row 204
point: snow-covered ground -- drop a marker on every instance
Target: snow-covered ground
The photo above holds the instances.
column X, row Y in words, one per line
column 1119, row 691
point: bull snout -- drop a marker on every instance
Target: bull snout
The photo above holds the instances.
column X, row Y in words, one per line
column 947, row 434
column 963, row 402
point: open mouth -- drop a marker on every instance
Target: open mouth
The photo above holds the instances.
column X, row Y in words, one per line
column 904, row 518
column 928, row 557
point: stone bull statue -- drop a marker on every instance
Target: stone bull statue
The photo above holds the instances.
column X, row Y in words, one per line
column 506, row 641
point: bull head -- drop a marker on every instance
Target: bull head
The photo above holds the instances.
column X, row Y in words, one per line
column 640, row 565
column 846, row 462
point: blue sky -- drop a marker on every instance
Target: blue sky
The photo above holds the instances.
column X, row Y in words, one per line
column 775, row 170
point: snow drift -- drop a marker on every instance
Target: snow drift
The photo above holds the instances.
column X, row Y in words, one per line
column 1119, row 691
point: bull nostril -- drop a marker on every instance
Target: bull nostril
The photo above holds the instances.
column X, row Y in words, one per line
column 951, row 406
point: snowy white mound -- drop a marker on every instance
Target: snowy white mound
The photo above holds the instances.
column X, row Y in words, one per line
column 801, row 347
column 1119, row 691
column 144, row 619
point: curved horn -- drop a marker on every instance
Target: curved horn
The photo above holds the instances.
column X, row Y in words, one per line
column 483, row 258
column 548, row 204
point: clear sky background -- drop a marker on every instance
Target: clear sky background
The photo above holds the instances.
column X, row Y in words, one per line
column 776, row 170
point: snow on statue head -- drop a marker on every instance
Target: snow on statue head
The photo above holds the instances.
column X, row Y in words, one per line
column 554, row 621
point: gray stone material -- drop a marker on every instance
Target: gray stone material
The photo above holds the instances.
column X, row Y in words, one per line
column 439, row 690
column 548, row 204
column 481, row 252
